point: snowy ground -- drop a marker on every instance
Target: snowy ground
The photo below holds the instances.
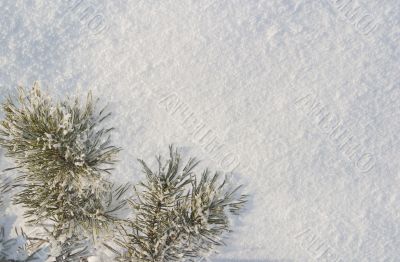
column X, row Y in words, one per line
column 299, row 98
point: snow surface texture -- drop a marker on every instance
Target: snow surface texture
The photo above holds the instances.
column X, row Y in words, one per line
column 300, row 98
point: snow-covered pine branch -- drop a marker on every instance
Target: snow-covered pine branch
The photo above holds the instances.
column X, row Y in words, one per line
column 64, row 154
column 178, row 215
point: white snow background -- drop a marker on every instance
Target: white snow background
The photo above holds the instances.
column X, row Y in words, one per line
column 299, row 99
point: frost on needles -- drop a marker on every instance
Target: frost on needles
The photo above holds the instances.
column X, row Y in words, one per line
column 178, row 215
column 63, row 154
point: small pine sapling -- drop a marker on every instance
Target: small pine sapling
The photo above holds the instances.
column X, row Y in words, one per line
column 63, row 154
column 178, row 216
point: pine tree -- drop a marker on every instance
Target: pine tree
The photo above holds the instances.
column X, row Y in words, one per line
column 63, row 155
column 178, row 216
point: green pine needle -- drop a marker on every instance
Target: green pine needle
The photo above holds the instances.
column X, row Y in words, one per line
column 5, row 188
